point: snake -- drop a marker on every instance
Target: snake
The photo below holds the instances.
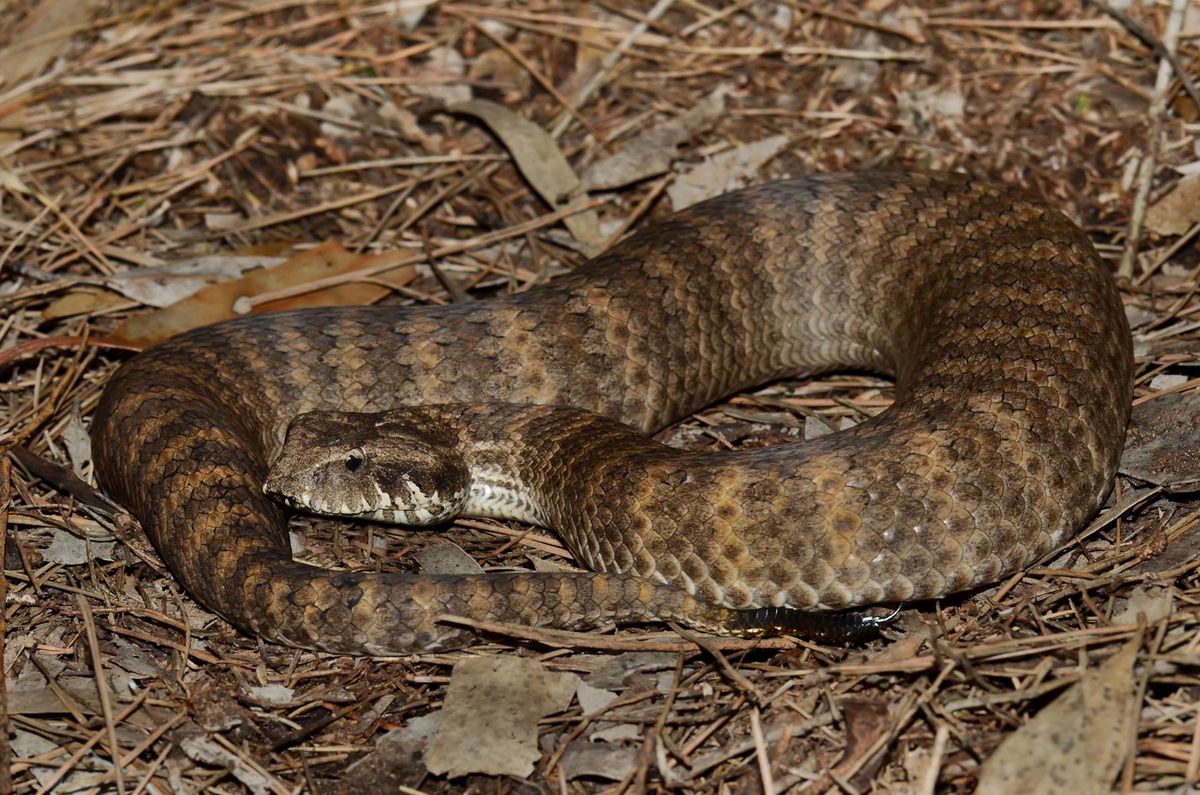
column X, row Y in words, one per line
column 1000, row 324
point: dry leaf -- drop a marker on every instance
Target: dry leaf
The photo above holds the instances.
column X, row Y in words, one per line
column 724, row 172
column 82, row 301
column 447, row 558
column 1175, row 213
column 492, row 708
column 1076, row 744
column 216, row 302
column 542, row 163
column 408, row 125
column 652, row 152
column 615, row 671
column 921, row 110
column 1163, row 445
column 408, row 13
column 441, row 71
column 42, row 35
column 205, row 751
column 45, row 700
column 1154, row 606
column 167, row 284
column 271, row 695
column 395, row 762
column 83, row 776
column 1166, row 380
column 78, row 442
column 70, row 550
column 497, row 68
column 593, row 700
column 898, row 651
column 866, row 720
column 593, row 46
column 343, row 106
column 600, row 760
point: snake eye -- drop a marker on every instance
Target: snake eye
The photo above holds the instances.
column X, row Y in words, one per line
column 353, row 461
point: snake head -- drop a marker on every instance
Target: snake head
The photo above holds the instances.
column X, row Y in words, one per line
column 402, row 467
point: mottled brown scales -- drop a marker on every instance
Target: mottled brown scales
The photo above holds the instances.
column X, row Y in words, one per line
column 1000, row 324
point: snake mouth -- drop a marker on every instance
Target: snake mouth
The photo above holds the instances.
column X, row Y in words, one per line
column 310, row 504
column 295, row 503
column 385, row 510
column 291, row 502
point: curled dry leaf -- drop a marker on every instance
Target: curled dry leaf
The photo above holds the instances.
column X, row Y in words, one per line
column 492, row 708
column 542, row 163
column 273, row 694
column 724, row 172
column 216, row 301
column 1076, row 744
column 651, row 153
column 157, row 286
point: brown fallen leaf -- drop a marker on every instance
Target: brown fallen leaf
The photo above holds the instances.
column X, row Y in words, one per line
column 83, row 301
column 1163, row 446
column 1076, row 744
column 724, row 172
column 441, row 76
column 903, row 649
column 1154, row 605
column 48, row 701
column 541, row 162
column 866, row 721
column 591, row 48
column 448, row 558
column 395, row 762
column 497, row 68
column 599, row 760
column 41, row 37
column 156, row 286
column 1175, row 212
column 216, row 302
column 651, row 152
column 492, row 708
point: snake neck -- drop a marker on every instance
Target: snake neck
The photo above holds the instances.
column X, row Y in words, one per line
column 515, row 455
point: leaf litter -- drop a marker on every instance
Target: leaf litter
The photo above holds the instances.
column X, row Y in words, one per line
column 136, row 146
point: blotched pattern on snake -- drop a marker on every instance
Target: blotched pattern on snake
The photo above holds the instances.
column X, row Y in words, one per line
column 999, row 322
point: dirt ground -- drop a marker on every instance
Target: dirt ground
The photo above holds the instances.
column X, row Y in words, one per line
column 138, row 136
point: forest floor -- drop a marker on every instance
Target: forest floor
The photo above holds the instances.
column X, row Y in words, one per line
column 148, row 149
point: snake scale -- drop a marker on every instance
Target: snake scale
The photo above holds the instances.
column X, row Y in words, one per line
column 1003, row 330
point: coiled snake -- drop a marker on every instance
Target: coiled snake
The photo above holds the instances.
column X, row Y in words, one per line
column 1002, row 327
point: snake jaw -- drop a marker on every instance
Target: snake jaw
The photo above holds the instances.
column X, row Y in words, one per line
column 411, row 507
column 334, row 465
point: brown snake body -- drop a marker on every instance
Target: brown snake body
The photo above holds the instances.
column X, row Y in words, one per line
column 1002, row 328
